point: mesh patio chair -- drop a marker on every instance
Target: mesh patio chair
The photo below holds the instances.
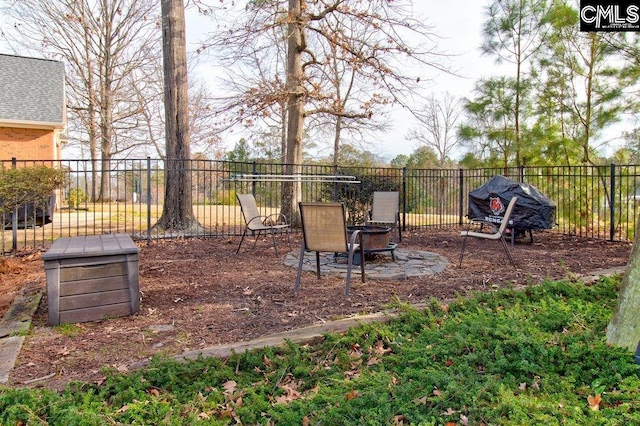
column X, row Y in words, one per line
column 254, row 221
column 497, row 233
column 384, row 210
column 324, row 229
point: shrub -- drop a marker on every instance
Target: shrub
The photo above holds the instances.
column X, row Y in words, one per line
column 33, row 184
column 75, row 197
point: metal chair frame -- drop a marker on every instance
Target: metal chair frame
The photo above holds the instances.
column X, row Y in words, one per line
column 324, row 229
column 254, row 221
column 385, row 210
column 497, row 234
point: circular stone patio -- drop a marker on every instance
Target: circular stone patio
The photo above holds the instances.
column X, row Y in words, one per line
column 408, row 263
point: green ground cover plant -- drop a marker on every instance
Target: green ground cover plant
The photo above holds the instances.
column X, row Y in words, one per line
column 534, row 356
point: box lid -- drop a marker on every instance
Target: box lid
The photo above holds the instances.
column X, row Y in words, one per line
column 92, row 245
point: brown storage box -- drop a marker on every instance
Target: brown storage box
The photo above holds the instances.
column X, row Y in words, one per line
column 91, row 278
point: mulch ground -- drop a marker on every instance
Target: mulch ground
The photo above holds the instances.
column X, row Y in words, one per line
column 196, row 293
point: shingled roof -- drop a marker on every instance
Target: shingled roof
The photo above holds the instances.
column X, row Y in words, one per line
column 32, row 91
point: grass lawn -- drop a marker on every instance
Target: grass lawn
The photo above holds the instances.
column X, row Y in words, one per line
column 536, row 356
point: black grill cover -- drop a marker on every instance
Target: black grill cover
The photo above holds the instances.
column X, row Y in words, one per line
column 533, row 210
column 35, row 215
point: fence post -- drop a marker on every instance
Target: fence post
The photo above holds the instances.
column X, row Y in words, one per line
column 148, row 200
column 254, row 166
column 461, row 197
column 335, row 184
column 612, row 207
column 14, row 216
column 404, row 198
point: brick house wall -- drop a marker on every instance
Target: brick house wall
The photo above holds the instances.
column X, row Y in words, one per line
column 29, row 144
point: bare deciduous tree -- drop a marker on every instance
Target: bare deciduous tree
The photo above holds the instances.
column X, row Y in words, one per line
column 177, row 211
column 437, row 128
column 103, row 44
column 371, row 39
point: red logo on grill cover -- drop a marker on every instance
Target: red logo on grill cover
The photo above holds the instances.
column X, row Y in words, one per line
column 496, row 206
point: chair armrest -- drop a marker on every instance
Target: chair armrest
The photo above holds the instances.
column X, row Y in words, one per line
column 356, row 235
column 280, row 218
column 481, row 223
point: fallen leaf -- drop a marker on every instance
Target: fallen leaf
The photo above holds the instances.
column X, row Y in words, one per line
column 239, row 402
column 291, row 391
column 436, row 392
column 400, row 420
column 352, row 374
column 523, row 386
column 123, row 409
column 266, row 361
column 464, row 420
column 594, row 402
column 352, row 394
column 420, row 401
column 380, row 349
column 448, row 362
column 355, row 351
column 153, row 391
column 229, row 386
column 314, row 370
column 373, row 361
column 226, row 412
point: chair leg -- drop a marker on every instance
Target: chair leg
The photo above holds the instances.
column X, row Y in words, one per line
column 399, row 228
column 464, row 245
column 289, row 238
column 257, row 237
column 349, row 265
column 506, row 247
column 362, row 261
column 273, row 237
column 297, row 286
column 241, row 240
column 318, row 264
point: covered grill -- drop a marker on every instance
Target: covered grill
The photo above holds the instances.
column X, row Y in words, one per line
column 533, row 211
column 30, row 214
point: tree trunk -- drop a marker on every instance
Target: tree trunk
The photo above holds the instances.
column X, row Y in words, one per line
column 336, row 140
column 624, row 328
column 291, row 191
column 106, row 122
column 177, row 212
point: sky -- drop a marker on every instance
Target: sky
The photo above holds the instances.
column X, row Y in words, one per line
column 457, row 22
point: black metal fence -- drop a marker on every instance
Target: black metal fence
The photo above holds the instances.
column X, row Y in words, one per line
column 598, row 202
